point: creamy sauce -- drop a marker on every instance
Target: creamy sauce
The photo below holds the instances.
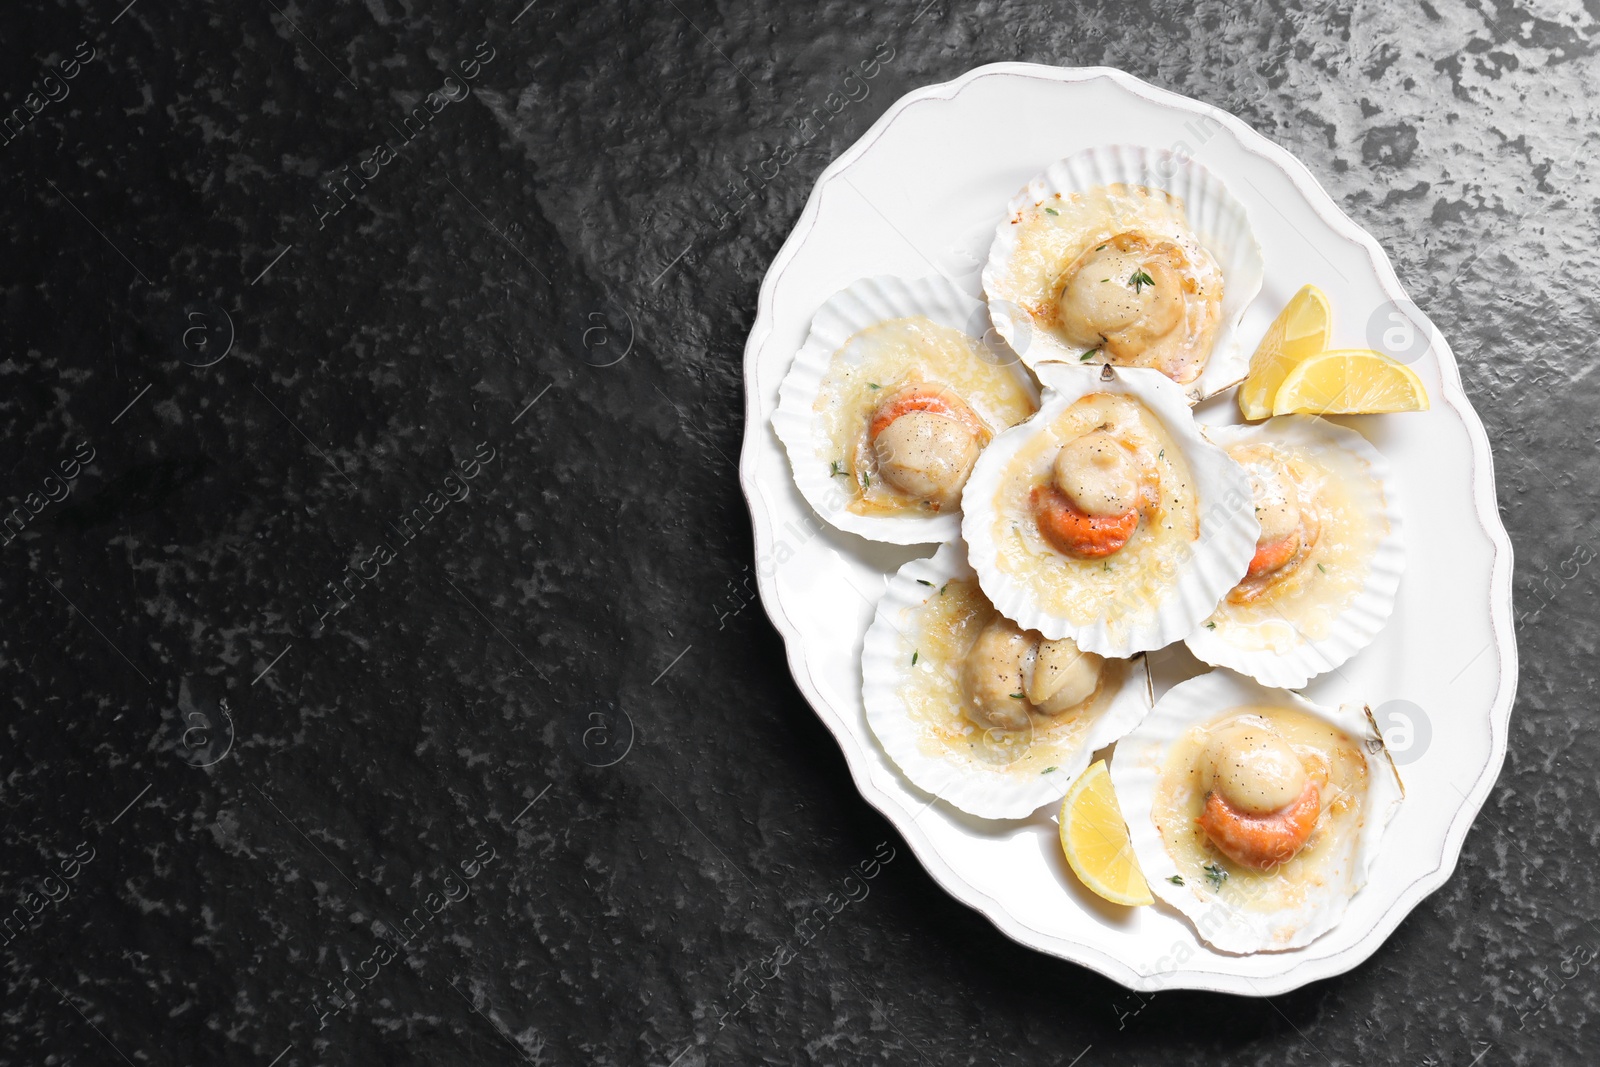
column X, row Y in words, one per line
column 1048, row 245
column 1129, row 585
column 941, row 633
column 1343, row 502
column 879, row 360
column 1332, row 759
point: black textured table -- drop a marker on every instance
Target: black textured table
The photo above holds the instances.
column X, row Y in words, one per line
column 385, row 684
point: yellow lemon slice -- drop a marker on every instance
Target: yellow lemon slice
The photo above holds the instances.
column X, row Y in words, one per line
column 1350, row 381
column 1299, row 331
column 1095, row 839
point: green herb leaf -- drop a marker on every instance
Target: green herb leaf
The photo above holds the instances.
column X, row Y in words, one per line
column 1100, row 249
column 866, row 480
column 1139, row 279
column 874, row 385
column 926, row 583
column 1087, row 356
column 1321, row 568
column 1215, row 875
column 1176, row 879
column 834, row 471
column 1047, row 770
column 1211, row 626
column 1162, row 454
column 913, row 659
column 1051, row 211
column 1016, row 696
column 942, row 588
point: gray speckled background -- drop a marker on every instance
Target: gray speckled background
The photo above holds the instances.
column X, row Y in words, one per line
column 539, row 787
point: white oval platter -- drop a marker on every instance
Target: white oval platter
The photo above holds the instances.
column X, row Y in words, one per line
column 920, row 193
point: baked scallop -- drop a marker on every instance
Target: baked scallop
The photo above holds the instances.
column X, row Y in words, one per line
column 899, row 387
column 1328, row 560
column 973, row 709
column 1255, row 813
column 1131, row 256
column 1107, row 518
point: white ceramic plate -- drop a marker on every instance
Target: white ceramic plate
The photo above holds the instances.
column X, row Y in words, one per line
column 921, row 193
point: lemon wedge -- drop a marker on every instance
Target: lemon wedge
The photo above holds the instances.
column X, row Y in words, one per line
column 1095, row 839
column 1299, row 331
column 1350, row 381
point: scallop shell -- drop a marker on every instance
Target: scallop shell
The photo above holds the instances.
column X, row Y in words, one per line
column 1217, row 220
column 1360, row 622
column 995, row 783
column 1221, row 553
column 855, row 308
column 1136, row 765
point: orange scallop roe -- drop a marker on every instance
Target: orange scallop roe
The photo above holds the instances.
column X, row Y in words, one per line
column 1261, row 842
column 1271, row 557
column 1072, row 530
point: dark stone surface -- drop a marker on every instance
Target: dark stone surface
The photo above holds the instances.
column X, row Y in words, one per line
column 556, row 239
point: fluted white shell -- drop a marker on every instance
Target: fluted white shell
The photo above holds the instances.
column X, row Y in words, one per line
column 1220, row 554
column 1299, row 658
column 1015, row 784
column 859, row 306
column 1217, row 220
column 1136, row 766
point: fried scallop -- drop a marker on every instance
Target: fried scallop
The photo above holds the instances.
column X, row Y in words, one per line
column 1254, row 812
column 890, row 402
column 995, row 719
column 1130, row 256
column 1328, row 560
column 1108, row 518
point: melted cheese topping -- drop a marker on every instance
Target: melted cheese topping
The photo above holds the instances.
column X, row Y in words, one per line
column 1129, row 585
column 1338, row 499
column 941, row 633
column 1074, row 269
column 879, row 360
column 1329, row 756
